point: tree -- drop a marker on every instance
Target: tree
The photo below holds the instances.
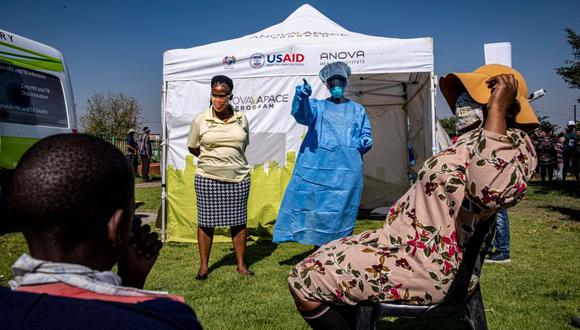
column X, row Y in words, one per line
column 110, row 114
column 571, row 71
column 449, row 125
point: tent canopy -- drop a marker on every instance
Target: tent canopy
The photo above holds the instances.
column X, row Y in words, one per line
column 392, row 78
column 307, row 32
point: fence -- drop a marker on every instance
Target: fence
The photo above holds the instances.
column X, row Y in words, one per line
column 121, row 143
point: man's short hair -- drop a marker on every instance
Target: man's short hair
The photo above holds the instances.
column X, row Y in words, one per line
column 66, row 187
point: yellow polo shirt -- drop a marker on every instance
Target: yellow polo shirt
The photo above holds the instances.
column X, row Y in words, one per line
column 222, row 146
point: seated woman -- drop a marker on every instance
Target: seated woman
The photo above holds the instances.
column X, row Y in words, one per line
column 414, row 257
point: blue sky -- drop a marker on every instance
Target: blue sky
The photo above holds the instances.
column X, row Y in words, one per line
column 117, row 46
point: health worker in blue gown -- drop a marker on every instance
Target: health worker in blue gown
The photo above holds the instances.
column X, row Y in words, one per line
column 322, row 199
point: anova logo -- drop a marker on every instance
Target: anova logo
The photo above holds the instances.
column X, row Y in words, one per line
column 349, row 57
column 258, row 102
column 258, row 60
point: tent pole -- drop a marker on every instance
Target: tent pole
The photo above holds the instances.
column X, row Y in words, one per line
column 163, row 163
column 434, row 146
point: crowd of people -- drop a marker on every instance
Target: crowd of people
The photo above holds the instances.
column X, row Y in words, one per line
column 75, row 242
column 558, row 152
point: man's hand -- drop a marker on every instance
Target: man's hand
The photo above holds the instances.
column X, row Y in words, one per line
column 140, row 256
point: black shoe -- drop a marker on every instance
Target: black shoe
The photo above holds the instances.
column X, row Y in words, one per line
column 575, row 321
column 201, row 277
column 498, row 258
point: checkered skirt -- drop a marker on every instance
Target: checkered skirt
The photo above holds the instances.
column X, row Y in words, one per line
column 220, row 203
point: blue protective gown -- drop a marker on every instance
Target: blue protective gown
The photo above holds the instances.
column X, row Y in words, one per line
column 322, row 199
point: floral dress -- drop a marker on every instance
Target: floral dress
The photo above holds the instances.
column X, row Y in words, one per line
column 414, row 257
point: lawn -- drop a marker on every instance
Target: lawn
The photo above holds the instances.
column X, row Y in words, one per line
column 540, row 289
column 151, row 198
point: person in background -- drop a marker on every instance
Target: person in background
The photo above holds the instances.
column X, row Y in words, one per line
column 414, row 257
column 559, row 146
column 73, row 198
column 571, row 152
column 218, row 137
column 500, row 246
column 321, row 201
column 546, row 151
column 145, row 152
column 132, row 148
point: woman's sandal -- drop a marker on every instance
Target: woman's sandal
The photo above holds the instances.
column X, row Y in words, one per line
column 201, row 277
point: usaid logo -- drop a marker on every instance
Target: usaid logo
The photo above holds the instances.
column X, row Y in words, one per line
column 257, row 60
column 285, row 58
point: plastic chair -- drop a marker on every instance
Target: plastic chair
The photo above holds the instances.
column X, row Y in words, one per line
column 458, row 303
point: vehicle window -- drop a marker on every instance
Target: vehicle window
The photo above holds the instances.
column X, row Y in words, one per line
column 31, row 97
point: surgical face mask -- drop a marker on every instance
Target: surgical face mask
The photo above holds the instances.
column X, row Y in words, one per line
column 336, row 86
column 468, row 113
column 337, row 92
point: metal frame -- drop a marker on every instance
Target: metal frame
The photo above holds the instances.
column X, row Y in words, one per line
column 163, row 163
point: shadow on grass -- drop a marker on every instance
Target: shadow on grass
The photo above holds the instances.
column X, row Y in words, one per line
column 296, row 259
column 419, row 323
column 568, row 188
column 558, row 295
column 570, row 213
column 254, row 253
column 365, row 214
column 152, row 178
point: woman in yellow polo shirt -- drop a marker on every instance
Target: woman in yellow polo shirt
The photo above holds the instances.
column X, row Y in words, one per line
column 218, row 137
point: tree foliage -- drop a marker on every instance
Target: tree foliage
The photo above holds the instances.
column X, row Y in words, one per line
column 571, row 71
column 449, row 125
column 110, row 114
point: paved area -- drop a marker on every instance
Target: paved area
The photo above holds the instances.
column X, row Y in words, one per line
column 147, row 217
column 148, row 184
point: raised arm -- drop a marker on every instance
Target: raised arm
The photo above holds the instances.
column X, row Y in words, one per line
column 302, row 110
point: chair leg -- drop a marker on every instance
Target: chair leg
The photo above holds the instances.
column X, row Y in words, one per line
column 365, row 317
column 475, row 317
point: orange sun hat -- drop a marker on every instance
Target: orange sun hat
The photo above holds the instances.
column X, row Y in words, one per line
column 453, row 84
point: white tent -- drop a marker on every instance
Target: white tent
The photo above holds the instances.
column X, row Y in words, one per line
column 392, row 78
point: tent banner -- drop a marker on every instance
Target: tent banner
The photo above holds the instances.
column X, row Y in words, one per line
column 363, row 56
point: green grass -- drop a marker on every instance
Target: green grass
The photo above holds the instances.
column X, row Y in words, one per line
column 151, row 197
column 540, row 289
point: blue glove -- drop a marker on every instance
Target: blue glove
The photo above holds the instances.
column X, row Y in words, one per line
column 366, row 142
column 304, row 89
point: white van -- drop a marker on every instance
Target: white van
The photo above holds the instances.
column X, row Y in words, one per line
column 36, row 98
